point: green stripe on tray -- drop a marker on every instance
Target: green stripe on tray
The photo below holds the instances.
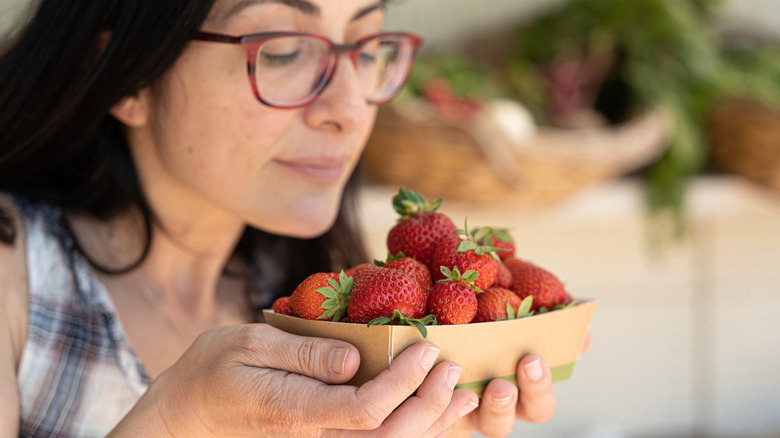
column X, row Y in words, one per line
column 561, row 372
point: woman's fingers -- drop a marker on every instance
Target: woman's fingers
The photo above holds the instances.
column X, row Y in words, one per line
column 377, row 398
column 537, row 398
column 281, row 368
column 496, row 415
column 587, row 343
column 327, row 360
column 435, row 406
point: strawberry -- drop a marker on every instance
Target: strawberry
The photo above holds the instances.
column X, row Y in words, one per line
column 499, row 239
column 453, row 300
column 282, row 306
column 438, row 91
column 419, row 228
column 493, row 304
column 378, row 292
column 323, row 295
column 503, row 275
column 414, row 268
column 465, row 254
column 531, row 280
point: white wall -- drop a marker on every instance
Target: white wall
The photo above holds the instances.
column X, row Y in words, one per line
column 10, row 10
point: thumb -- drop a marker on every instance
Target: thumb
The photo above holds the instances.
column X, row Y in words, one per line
column 327, row 360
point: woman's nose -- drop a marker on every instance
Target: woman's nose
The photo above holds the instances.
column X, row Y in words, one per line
column 342, row 103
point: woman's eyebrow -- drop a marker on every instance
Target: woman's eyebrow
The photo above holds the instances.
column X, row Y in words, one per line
column 304, row 6
column 367, row 10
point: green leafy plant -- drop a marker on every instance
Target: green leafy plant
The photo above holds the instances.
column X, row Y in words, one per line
column 665, row 55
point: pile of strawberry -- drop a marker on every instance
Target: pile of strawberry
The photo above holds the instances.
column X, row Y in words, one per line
column 436, row 274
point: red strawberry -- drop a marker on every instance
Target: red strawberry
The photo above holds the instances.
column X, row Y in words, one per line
column 453, row 300
column 419, row 228
column 491, row 304
column 414, row 268
column 455, row 252
column 503, row 275
column 529, row 279
column 378, row 292
column 282, row 306
column 323, row 295
column 499, row 239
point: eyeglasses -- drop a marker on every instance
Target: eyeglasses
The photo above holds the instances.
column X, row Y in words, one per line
column 290, row 69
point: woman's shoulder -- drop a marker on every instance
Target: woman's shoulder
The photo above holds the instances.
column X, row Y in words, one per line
column 13, row 282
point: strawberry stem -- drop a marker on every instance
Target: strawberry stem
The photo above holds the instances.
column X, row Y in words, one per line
column 338, row 297
column 398, row 318
column 408, row 204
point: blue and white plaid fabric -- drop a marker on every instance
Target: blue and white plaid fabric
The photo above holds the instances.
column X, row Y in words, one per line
column 78, row 375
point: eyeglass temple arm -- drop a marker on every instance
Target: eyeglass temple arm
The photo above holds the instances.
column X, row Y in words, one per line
column 217, row 38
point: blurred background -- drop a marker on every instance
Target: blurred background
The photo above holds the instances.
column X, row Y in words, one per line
column 632, row 147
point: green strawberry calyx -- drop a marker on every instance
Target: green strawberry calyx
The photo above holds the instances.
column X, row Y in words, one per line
column 390, row 258
column 338, row 297
column 489, row 236
column 471, row 241
column 409, row 204
column 523, row 310
column 398, row 318
column 571, row 303
column 454, row 275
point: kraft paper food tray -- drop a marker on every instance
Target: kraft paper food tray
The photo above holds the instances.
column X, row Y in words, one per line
column 484, row 350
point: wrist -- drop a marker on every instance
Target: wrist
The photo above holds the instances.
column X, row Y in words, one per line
column 160, row 413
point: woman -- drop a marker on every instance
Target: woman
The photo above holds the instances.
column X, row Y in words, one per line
column 155, row 199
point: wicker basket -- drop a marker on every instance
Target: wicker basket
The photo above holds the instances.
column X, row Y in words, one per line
column 745, row 139
column 440, row 158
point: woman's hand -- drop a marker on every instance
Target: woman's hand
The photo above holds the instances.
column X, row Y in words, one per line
column 503, row 403
column 259, row 381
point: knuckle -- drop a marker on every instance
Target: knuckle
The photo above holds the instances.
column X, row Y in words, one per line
column 435, row 408
column 369, row 416
column 248, row 339
column 541, row 415
column 307, row 356
column 245, row 337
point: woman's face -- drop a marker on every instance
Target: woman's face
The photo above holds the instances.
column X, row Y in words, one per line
column 210, row 144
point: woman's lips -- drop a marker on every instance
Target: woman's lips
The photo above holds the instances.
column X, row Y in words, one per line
column 325, row 170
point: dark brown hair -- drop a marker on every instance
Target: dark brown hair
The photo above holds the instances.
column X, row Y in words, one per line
column 59, row 145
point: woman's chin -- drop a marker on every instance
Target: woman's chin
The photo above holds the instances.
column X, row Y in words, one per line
column 308, row 227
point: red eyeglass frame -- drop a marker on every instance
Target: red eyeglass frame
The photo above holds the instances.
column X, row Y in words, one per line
column 252, row 43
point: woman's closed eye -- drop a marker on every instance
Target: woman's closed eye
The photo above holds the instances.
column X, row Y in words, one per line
column 279, row 59
column 367, row 58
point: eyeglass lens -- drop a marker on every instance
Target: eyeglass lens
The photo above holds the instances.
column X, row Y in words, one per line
column 292, row 69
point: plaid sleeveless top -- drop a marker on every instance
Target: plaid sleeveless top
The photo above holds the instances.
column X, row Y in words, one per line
column 78, row 375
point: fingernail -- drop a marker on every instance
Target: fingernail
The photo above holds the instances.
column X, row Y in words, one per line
column 338, row 360
column 534, row 371
column 453, row 375
column 468, row 407
column 502, row 401
column 430, row 355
